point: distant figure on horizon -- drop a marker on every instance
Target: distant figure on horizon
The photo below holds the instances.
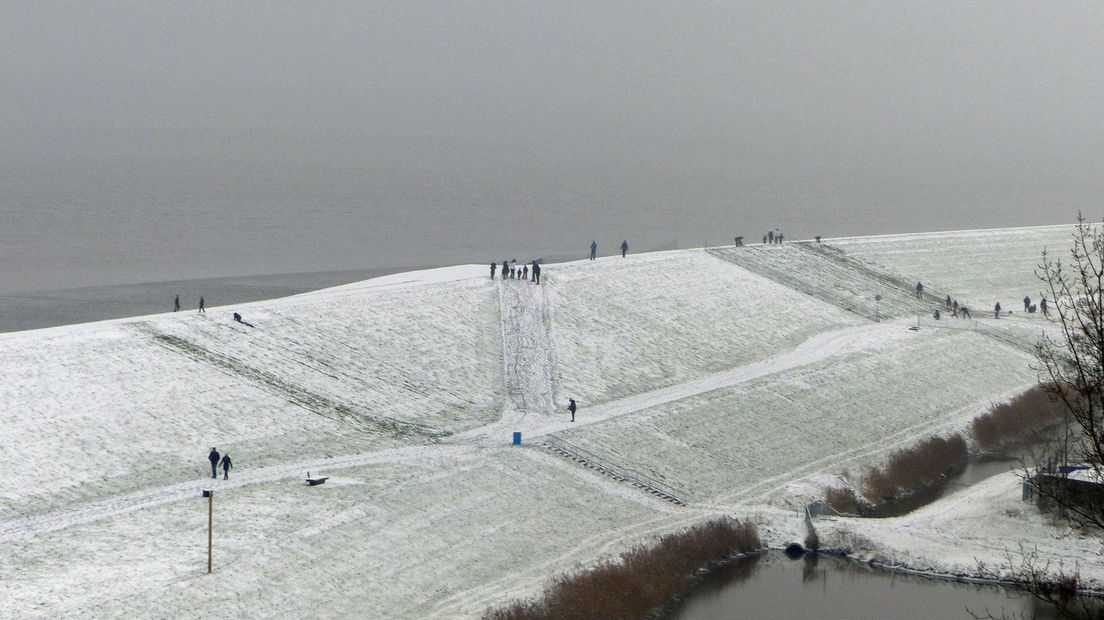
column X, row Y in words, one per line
column 493, row 267
column 571, row 408
column 1043, row 307
column 1027, row 303
column 770, row 237
column 779, row 237
column 593, row 249
column 176, row 304
column 764, row 240
column 226, row 465
column 818, row 239
column 214, row 458
column 202, row 306
column 996, row 311
column 739, row 242
column 919, row 290
column 525, row 272
column 536, row 272
column 624, row 247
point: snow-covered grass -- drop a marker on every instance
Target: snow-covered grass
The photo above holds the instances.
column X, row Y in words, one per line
column 112, row 406
column 443, row 535
column 626, row 326
column 976, row 267
column 746, row 442
column 735, row 386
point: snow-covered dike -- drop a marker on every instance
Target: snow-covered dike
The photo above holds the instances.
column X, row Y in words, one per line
column 748, row 392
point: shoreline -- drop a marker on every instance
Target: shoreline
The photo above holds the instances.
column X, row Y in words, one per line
column 41, row 309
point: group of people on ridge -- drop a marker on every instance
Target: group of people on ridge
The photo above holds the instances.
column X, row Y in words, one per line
column 510, row 271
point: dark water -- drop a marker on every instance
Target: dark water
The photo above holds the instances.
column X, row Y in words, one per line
column 37, row 309
column 818, row 586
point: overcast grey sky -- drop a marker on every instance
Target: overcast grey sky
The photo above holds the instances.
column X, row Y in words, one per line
column 319, row 135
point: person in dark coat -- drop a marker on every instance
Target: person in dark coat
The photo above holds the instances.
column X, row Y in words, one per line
column 226, row 466
column 919, row 290
column 536, row 272
column 214, row 458
column 1027, row 303
column 965, row 312
column 624, row 247
column 764, row 240
column 176, row 304
column 818, row 239
column 202, row 306
column 948, row 302
column 593, row 249
column 571, row 408
column 770, row 236
column 533, row 271
column 996, row 311
column 493, row 267
column 779, row 237
column 1043, row 306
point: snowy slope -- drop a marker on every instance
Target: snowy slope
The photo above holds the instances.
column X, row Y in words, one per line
column 625, row 326
column 977, row 267
column 405, row 390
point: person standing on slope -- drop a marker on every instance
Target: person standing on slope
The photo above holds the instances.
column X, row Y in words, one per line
column 214, row 458
column 176, row 304
column 226, row 465
column 493, row 266
column 624, row 247
column 996, row 311
column 919, row 290
column 202, row 306
column 571, row 408
column 593, row 249
column 1027, row 302
column 536, row 272
column 1043, row 307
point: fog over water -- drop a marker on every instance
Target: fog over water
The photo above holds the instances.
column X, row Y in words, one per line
column 171, row 141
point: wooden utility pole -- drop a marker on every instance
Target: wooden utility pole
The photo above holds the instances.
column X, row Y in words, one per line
column 210, row 494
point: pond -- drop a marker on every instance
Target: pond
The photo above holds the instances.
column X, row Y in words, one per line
column 772, row 585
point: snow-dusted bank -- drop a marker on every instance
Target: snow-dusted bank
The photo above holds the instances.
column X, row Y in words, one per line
column 748, row 393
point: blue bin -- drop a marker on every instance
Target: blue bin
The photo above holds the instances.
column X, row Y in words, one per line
column 517, row 438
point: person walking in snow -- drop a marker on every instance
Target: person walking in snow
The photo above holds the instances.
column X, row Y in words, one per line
column 770, row 237
column 525, row 272
column 919, row 290
column 954, row 308
column 593, row 249
column 1043, row 307
column 226, row 466
column 536, row 272
column 176, row 304
column 624, row 247
column 948, row 302
column 493, row 267
column 1027, row 303
column 202, row 306
column 214, row 458
column 571, row 408
column 996, row 311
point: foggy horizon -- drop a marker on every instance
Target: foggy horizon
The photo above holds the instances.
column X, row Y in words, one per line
column 180, row 141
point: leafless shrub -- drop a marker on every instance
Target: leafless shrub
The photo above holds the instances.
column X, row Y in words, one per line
column 641, row 580
column 842, row 499
column 1028, row 413
column 911, row 469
